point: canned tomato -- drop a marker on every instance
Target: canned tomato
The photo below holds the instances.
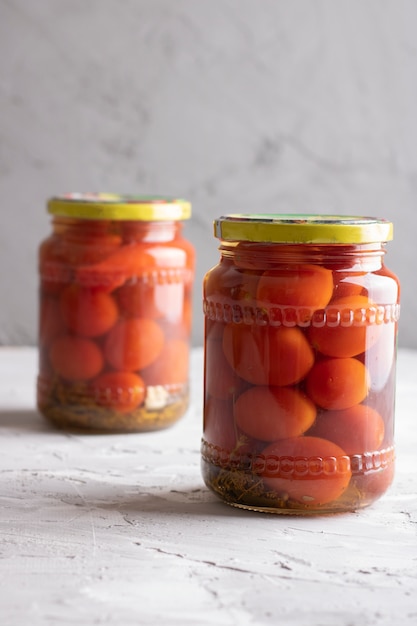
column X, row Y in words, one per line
column 300, row 348
column 116, row 277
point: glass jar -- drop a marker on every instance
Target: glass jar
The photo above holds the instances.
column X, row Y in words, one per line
column 300, row 348
column 115, row 313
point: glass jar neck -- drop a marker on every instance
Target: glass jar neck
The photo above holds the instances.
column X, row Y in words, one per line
column 79, row 230
column 349, row 257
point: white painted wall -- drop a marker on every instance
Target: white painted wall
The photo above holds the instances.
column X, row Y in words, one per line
column 238, row 105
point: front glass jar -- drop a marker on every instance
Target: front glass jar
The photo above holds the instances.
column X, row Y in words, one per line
column 115, row 313
column 300, row 348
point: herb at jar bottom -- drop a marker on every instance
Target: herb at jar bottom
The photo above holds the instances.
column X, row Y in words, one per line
column 248, row 491
column 72, row 406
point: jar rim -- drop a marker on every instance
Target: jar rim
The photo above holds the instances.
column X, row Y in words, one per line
column 302, row 228
column 112, row 206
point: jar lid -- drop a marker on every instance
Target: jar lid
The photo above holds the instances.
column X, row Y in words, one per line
column 111, row 206
column 299, row 228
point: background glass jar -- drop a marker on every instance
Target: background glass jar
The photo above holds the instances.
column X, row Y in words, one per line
column 300, row 346
column 115, row 313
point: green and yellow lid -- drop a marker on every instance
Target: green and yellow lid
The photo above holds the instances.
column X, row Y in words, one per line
column 300, row 228
column 111, row 206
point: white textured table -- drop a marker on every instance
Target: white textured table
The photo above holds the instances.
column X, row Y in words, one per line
column 120, row 529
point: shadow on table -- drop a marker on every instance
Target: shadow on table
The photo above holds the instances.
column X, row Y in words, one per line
column 22, row 419
column 196, row 502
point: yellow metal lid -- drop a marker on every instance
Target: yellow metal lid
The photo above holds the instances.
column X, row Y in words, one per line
column 299, row 228
column 111, row 206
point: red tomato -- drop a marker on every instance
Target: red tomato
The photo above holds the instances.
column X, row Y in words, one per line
column 133, row 344
column 51, row 323
column 54, row 272
column 221, row 432
column 87, row 312
column 219, row 426
column 86, row 241
column 76, row 358
column 265, row 355
column 170, row 367
column 338, row 383
column 348, row 284
column 121, row 391
column 227, row 282
column 221, row 380
column 271, row 413
column 307, row 470
column 136, row 298
column 127, row 261
column 213, row 330
column 351, row 327
column 309, row 286
column 139, row 298
column 357, row 430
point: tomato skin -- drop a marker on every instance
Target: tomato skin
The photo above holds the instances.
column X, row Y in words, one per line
column 309, row 286
column 221, row 432
column 76, row 358
column 127, row 261
column 136, row 298
column 120, row 391
column 88, row 246
column 87, row 312
column 323, row 470
column 271, row 413
column 221, row 381
column 262, row 355
column 51, row 323
column 133, row 344
column 338, row 383
column 225, row 283
column 219, row 427
column 354, row 330
column 348, row 284
column 357, row 429
column 171, row 365
column 163, row 301
column 54, row 272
